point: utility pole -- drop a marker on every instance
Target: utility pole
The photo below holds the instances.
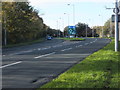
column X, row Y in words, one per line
column 116, row 10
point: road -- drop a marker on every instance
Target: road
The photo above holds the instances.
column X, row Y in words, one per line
column 34, row 65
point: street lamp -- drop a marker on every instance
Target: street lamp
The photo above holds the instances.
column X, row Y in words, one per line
column 102, row 23
column 59, row 26
column 73, row 13
column 67, row 17
column 5, row 31
column 86, row 29
column 116, row 11
column 116, row 25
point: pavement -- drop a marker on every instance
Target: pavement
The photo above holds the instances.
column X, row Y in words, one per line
column 29, row 67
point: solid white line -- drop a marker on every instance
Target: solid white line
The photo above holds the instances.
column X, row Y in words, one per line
column 66, row 49
column 45, row 55
column 11, row 64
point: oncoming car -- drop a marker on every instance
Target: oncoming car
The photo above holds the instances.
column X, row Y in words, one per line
column 49, row 37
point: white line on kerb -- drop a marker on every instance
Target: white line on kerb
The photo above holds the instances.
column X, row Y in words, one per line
column 11, row 64
column 66, row 49
column 45, row 55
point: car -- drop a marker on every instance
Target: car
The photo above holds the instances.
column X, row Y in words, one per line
column 49, row 37
column 71, row 36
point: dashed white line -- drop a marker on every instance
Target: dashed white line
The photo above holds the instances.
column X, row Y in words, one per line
column 66, row 49
column 86, row 43
column 80, row 45
column 11, row 64
column 44, row 48
column 44, row 55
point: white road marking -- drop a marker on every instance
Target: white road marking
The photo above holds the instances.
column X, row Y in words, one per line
column 39, row 48
column 86, row 43
column 43, row 48
column 27, row 51
column 80, row 45
column 66, row 49
column 44, row 55
column 76, row 46
column 95, row 39
column 11, row 64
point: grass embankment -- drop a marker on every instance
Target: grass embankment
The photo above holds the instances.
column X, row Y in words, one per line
column 25, row 43
column 99, row 70
column 73, row 39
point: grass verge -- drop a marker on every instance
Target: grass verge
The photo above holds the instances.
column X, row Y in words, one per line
column 25, row 43
column 99, row 70
column 73, row 39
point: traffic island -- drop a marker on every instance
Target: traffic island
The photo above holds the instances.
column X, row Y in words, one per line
column 73, row 39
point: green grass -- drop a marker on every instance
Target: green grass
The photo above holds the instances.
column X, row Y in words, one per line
column 25, row 43
column 99, row 70
column 73, row 39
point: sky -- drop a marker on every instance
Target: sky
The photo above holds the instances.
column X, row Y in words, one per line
column 57, row 13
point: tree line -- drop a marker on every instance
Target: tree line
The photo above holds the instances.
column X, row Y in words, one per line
column 82, row 30
column 108, row 30
column 21, row 23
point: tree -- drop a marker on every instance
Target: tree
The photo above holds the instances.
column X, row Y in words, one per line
column 107, row 28
column 22, row 22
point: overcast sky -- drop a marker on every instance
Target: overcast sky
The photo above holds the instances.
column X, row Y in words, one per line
column 92, row 12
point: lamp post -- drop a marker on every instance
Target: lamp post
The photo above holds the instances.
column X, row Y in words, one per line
column 102, row 26
column 73, row 13
column 116, row 10
column 86, row 29
column 67, row 17
column 57, row 28
column 5, row 31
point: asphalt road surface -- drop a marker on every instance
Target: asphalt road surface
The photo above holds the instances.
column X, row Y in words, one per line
column 34, row 65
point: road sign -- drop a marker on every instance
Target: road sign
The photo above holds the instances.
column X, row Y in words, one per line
column 116, row 10
column 71, row 30
column 113, row 18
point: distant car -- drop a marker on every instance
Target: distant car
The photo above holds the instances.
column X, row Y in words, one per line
column 49, row 37
column 71, row 36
